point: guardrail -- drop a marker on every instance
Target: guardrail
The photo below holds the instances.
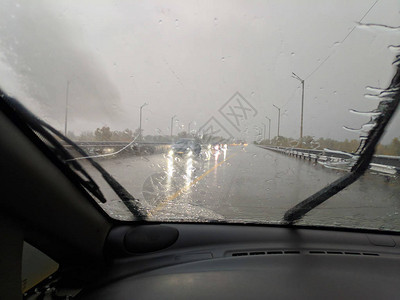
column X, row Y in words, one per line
column 110, row 147
column 116, row 143
column 382, row 164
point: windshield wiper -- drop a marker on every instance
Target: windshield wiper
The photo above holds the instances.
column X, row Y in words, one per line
column 367, row 149
column 45, row 134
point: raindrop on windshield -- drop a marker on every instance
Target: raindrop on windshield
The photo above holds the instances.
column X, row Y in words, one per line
column 372, row 97
column 377, row 27
column 365, row 113
column 394, row 48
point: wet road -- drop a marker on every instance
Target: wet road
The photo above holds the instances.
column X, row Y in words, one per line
column 247, row 184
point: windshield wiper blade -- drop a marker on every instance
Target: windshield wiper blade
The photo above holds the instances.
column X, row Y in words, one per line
column 15, row 110
column 130, row 202
column 64, row 156
column 368, row 148
column 44, row 131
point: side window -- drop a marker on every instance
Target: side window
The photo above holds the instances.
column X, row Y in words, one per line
column 36, row 267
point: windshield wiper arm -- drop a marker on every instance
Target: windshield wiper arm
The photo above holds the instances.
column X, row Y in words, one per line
column 130, row 202
column 298, row 211
column 46, row 131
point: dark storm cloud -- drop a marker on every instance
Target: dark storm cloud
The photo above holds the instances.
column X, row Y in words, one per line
column 41, row 50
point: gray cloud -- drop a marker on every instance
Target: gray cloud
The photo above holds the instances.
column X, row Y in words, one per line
column 188, row 58
column 45, row 55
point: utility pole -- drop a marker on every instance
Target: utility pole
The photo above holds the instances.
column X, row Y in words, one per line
column 66, row 109
column 140, row 122
column 265, row 129
column 172, row 124
column 302, row 103
column 189, row 127
column 279, row 116
column 269, row 129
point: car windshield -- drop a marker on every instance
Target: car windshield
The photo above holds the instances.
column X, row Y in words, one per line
column 283, row 105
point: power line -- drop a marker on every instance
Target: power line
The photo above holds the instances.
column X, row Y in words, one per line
column 345, row 38
column 291, row 97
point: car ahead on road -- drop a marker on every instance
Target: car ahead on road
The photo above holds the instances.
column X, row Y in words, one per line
column 186, row 146
column 216, row 148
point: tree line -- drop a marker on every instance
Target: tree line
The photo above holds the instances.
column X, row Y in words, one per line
column 350, row 146
column 308, row 142
column 106, row 134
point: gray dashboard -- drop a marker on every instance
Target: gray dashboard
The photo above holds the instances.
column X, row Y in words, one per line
column 249, row 262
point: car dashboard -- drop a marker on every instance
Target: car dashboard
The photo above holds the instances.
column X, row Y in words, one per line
column 182, row 261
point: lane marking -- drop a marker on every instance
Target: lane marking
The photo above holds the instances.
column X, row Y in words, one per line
column 186, row 187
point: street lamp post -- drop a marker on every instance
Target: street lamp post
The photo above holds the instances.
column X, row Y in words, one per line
column 172, row 123
column 269, row 129
column 279, row 116
column 66, row 109
column 189, row 127
column 265, row 129
column 140, row 121
column 302, row 103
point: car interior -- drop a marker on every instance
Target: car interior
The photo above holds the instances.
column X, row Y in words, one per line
column 56, row 241
column 98, row 257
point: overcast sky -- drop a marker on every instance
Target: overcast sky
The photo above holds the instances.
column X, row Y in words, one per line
column 188, row 58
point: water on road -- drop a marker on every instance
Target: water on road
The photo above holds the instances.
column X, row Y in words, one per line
column 246, row 184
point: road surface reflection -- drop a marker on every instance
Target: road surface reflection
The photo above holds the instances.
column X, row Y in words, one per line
column 180, row 174
column 245, row 184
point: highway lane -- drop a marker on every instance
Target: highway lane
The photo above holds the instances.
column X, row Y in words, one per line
column 247, row 184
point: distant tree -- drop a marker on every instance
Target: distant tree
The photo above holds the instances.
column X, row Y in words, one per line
column 307, row 142
column 86, row 136
column 127, row 135
column 182, row 134
column 137, row 132
column 346, row 145
column 394, row 147
column 71, row 135
column 103, row 134
column 282, row 141
column 122, row 136
column 149, row 138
